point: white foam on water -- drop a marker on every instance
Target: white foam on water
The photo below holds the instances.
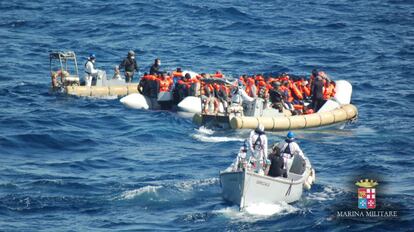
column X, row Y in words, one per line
column 108, row 97
column 363, row 130
column 215, row 139
column 205, row 130
column 203, row 134
column 191, row 184
column 131, row 194
column 328, row 193
column 270, row 209
column 256, row 212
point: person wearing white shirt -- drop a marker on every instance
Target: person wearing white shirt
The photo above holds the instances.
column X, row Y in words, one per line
column 289, row 148
column 90, row 70
column 258, row 147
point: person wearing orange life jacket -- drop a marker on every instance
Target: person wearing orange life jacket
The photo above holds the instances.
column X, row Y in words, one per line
column 295, row 90
column 195, row 85
column 329, row 90
column 165, row 83
column 144, row 84
column 209, row 99
column 183, row 87
column 269, row 82
column 218, row 74
column 258, row 78
column 304, row 88
column 153, row 87
column 287, row 95
column 251, row 88
column 263, row 91
column 177, row 75
column 284, row 77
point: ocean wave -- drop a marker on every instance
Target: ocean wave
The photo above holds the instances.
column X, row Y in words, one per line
column 167, row 191
column 149, row 190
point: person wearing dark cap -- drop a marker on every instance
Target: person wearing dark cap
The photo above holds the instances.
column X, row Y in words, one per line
column 155, row 68
column 130, row 66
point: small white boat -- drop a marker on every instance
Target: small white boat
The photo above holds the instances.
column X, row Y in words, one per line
column 245, row 187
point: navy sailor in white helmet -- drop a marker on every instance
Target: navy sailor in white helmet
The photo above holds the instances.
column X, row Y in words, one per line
column 258, row 147
column 288, row 148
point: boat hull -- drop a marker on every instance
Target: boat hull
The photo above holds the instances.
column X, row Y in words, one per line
column 245, row 188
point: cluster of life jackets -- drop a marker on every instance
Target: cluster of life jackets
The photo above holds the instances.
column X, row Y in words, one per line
column 165, row 83
column 295, row 92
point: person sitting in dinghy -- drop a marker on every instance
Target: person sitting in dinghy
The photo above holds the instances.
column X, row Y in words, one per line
column 277, row 164
column 238, row 96
column 276, row 96
column 258, row 147
column 289, row 148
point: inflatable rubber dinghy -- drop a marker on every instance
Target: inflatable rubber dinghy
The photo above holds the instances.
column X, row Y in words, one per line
column 335, row 111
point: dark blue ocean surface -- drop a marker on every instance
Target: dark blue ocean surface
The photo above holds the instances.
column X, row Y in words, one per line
column 76, row 164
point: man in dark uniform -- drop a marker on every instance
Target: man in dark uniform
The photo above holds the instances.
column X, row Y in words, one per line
column 130, row 65
column 277, row 163
column 317, row 94
column 155, row 68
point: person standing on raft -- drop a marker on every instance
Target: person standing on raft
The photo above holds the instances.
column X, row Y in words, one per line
column 130, row 66
column 317, row 94
column 90, row 70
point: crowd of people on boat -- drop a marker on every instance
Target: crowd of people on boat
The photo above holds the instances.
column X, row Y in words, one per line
column 300, row 95
column 254, row 154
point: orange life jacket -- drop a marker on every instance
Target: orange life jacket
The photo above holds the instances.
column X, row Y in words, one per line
column 165, row 85
column 259, row 78
column 296, row 91
column 306, row 91
column 177, row 74
column 209, row 88
column 289, row 94
column 329, row 92
column 298, row 107
column 218, row 75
